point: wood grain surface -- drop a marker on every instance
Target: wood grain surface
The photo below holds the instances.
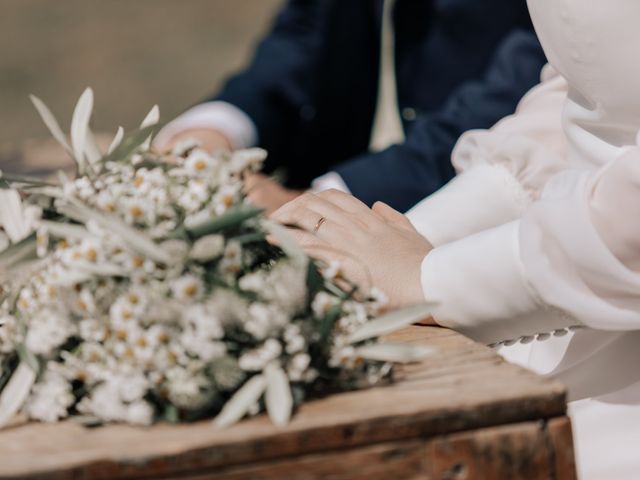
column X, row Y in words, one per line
column 463, row 405
column 462, row 413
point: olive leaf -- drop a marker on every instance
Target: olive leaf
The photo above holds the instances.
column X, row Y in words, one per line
column 92, row 150
column 391, row 322
column 231, row 218
column 152, row 119
column 15, row 393
column 117, row 139
column 286, row 242
column 65, row 230
column 278, row 398
column 12, row 217
column 80, row 127
column 240, row 404
column 52, row 124
column 134, row 238
column 129, row 144
column 393, row 352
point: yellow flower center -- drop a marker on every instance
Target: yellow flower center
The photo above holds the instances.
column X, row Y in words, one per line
column 135, row 211
column 191, row 290
column 92, row 255
column 200, row 165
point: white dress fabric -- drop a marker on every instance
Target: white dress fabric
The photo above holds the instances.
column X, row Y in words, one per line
column 538, row 238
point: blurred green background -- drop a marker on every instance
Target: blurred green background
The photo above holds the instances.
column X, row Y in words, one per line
column 134, row 53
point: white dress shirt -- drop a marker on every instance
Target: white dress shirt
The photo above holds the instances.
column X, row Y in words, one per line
column 241, row 131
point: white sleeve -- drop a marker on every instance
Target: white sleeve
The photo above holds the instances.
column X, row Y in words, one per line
column 329, row 181
column 228, row 119
column 500, row 171
column 572, row 259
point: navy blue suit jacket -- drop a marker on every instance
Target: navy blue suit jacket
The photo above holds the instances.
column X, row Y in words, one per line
column 311, row 88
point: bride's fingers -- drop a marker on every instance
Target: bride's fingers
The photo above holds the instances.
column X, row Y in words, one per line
column 343, row 200
column 306, row 239
column 307, row 212
column 392, row 216
column 352, row 269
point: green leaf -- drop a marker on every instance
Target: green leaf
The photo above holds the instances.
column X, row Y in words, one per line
column 65, row 230
column 231, row 218
column 393, row 352
column 391, row 322
column 329, row 321
column 116, row 140
column 278, row 398
column 129, row 144
column 92, row 150
column 134, row 238
column 240, row 404
column 28, row 357
column 249, row 238
column 52, row 124
column 16, row 392
column 286, row 242
column 12, row 217
column 80, row 127
column 171, row 414
column 152, row 119
column 14, row 255
column 315, row 280
column 9, row 178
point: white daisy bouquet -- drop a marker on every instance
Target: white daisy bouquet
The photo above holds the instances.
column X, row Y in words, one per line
column 148, row 289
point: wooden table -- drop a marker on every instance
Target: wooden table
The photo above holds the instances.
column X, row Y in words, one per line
column 463, row 413
column 39, row 158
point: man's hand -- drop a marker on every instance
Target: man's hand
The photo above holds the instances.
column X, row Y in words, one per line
column 266, row 193
column 210, row 140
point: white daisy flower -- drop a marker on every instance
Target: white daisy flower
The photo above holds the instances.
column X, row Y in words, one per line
column 140, row 413
column 187, row 288
column 50, row 398
column 48, row 330
column 199, row 163
column 323, row 303
column 226, row 197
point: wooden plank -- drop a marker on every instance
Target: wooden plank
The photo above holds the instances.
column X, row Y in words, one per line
column 560, row 436
column 402, row 460
column 516, row 452
column 41, row 158
column 519, row 451
column 464, row 386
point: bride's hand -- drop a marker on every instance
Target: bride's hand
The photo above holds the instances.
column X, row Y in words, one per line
column 378, row 245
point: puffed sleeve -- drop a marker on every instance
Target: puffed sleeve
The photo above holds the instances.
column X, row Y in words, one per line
column 573, row 259
column 501, row 170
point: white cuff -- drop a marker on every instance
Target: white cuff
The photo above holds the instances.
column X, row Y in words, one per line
column 478, row 288
column 228, row 119
column 480, row 198
column 329, row 181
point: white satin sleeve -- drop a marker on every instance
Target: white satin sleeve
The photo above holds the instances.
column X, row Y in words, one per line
column 501, row 170
column 573, row 259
